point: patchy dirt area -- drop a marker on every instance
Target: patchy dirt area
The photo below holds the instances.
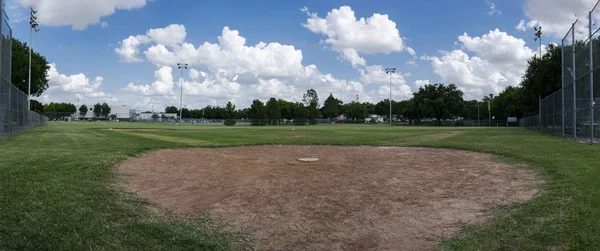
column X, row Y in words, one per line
column 352, row 198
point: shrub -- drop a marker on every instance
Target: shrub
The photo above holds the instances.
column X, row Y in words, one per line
column 229, row 122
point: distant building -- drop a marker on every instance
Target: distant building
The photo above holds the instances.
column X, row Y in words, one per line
column 376, row 118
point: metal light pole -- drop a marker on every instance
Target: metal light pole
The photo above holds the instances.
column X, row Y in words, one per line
column 490, row 110
column 538, row 36
column 181, row 66
column 33, row 25
column 478, row 123
column 390, row 71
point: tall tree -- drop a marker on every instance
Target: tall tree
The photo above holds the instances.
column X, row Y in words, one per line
column 105, row 109
column 20, row 69
column 543, row 77
column 311, row 100
column 331, row 107
column 97, row 110
column 273, row 110
column 171, row 109
column 439, row 101
column 257, row 113
column 83, row 109
column 229, row 114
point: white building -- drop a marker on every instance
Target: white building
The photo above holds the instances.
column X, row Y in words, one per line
column 120, row 112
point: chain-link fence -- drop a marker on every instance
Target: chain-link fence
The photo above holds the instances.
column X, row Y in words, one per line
column 571, row 111
column 14, row 113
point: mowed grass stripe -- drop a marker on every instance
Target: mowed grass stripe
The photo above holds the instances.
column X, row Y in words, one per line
column 56, row 185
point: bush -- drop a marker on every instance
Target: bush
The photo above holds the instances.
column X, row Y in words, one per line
column 229, row 122
column 313, row 122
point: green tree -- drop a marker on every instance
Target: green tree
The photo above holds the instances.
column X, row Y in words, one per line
column 171, row 109
column 20, row 69
column 36, row 106
column 311, row 100
column 331, row 107
column 356, row 111
column 439, row 101
column 543, row 77
column 287, row 109
column 97, row 110
column 382, row 107
column 105, row 109
column 83, row 109
column 257, row 113
column 229, row 114
column 273, row 111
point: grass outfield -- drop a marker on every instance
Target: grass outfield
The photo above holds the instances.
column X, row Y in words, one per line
column 57, row 192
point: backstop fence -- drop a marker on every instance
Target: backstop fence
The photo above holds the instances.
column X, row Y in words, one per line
column 571, row 111
column 14, row 111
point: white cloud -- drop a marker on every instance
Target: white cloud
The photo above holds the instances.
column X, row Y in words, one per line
column 499, row 61
column 162, row 86
column 521, row 26
column 557, row 16
column 421, row 83
column 129, row 51
column 351, row 36
column 104, row 24
column 171, row 35
column 78, row 13
column 66, row 88
column 231, row 70
column 411, row 62
column 493, row 9
column 232, row 54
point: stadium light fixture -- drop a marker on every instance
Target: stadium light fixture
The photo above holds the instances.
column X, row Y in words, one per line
column 390, row 71
column 538, row 36
column 33, row 25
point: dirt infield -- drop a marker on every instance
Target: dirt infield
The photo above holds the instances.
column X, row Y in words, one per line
column 353, row 198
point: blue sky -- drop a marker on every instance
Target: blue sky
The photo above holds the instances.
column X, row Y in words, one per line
column 82, row 47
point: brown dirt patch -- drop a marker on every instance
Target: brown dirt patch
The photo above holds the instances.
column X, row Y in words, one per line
column 353, row 198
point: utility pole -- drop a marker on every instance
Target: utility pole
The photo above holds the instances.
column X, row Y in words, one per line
column 538, row 36
column 33, row 26
column 390, row 71
column 181, row 66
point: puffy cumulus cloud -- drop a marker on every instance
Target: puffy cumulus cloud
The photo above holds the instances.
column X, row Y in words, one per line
column 171, row 35
column 162, row 86
column 232, row 54
column 498, row 48
column 499, row 61
column 351, row 36
column 67, row 88
column 129, row 51
column 231, row 70
column 557, row 16
column 78, row 14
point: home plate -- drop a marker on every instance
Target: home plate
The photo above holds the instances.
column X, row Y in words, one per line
column 308, row 159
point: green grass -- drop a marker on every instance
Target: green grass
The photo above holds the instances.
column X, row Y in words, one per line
column 57, row 185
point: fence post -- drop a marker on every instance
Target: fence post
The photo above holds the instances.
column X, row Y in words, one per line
column 574, row 82
column 591, row 76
